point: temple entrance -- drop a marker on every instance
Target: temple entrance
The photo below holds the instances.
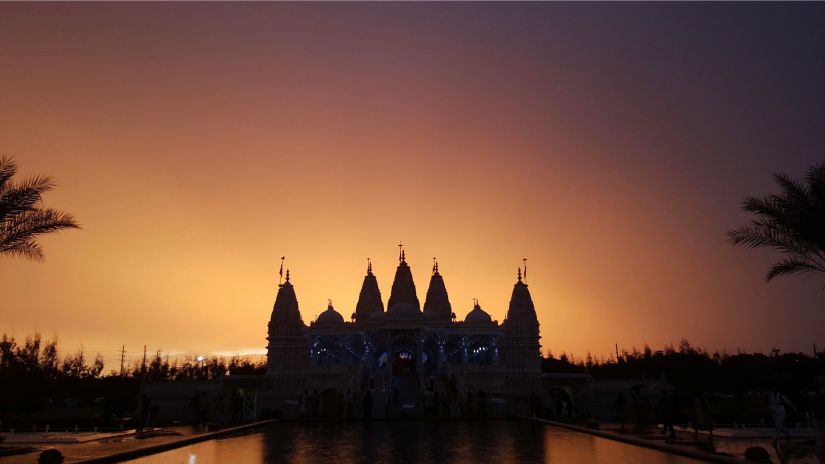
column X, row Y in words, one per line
column 405, row 383
column 403, row 364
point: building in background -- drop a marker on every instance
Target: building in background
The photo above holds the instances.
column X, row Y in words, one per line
column 405, row 357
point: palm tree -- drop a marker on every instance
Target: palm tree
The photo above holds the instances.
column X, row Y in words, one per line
column 22, row 215
column 792, row 222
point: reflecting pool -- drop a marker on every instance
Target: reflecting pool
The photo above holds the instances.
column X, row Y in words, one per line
column 493, row 441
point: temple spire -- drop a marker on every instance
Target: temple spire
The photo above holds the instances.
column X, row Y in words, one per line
column 286, row 317
column 437, row 303
column 403, row 287
column 369, row 300
column 521, row 303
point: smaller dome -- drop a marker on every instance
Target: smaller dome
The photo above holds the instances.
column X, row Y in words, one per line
column 478, row 316
column 330, row 317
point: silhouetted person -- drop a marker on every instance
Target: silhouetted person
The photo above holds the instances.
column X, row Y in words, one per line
column 445, row 407
column 704, row 414
column 316, row 403
column 145, row 410
column 368, row 404
column 621, row 409
column 777, row 403
column 196, row 407
column 395, row 382
column 50, row 456
column 237, row 406
column 819, row 422
column 668, row 409
column 467, row 405
column 535, row 404
column 203, row 410
column 350, row 402
column 303, row 407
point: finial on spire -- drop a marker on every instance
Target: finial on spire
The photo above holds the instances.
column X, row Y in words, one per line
column 400, row 252
column 435, row 266
column 519, row 274
column 369, row 267
column 287, row 274
column 524, row 260
column 329, row 303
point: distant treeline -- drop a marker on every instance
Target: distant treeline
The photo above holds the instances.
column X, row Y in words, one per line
column 694, row 369
column 35, row 378
column 35, row 357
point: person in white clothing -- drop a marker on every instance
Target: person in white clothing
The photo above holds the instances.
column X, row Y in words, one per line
column 777, row 402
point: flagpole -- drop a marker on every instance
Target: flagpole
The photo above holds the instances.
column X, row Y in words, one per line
column 525, row 268
column 281, row 272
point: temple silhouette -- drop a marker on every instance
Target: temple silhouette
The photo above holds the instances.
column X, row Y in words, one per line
column 404, row 353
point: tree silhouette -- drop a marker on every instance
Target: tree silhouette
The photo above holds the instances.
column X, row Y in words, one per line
column 792, row 222
column 22, row 215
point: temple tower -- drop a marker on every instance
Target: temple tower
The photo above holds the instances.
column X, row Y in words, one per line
column 287, row 347
column 369, row 300
column 520, row 345
column 403, row 298
column 437, row 304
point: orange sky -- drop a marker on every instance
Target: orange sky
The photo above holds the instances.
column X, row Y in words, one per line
column 198, row 143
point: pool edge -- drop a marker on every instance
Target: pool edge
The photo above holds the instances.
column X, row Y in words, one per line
column 688, row 453
column 169, row 445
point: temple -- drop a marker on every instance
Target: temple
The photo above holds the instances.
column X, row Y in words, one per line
column 403, row 355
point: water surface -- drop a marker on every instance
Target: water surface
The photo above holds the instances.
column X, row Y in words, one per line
column 421, row 442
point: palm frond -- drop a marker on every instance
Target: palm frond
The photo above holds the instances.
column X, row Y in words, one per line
column 27, row 249
column 790, row 266
column 17, row 234
column 816, row 185
column 769, row 206
column 36, row 222
column 8, row 168
column 791, row 222
column 22, row 216
column 25, row 196
column 761, row 234
column 794, row 192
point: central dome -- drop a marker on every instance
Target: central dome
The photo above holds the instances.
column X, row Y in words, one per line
column 478, row 316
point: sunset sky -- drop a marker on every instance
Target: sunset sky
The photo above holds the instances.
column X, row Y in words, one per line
column 610, row 144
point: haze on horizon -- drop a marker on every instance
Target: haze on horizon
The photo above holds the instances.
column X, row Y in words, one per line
column 610, row 144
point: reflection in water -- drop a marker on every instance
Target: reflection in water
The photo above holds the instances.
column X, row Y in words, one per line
column 414, row 441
